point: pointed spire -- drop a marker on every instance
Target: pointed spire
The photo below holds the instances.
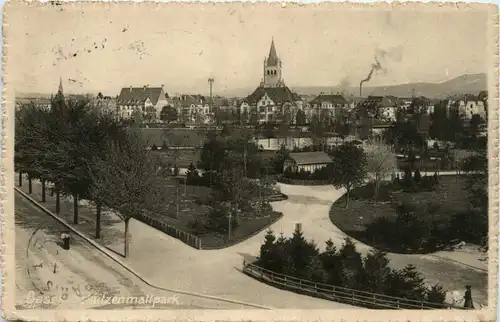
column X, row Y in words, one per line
column 60, row 86
column 272, row 60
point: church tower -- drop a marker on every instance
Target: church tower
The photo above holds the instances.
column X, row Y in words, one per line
column 60, row 86
column 272, row 69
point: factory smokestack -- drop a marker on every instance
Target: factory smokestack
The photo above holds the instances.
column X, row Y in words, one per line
column 361, row 89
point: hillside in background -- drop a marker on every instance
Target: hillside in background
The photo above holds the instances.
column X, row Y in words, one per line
column 465, row 84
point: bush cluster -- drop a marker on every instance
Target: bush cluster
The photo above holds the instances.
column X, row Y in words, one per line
column 344, row 267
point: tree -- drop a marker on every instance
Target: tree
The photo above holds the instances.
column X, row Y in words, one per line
column 137, row 118
column 139, row 189
column 349, row 168
column 331, row 263
column 169, row 114
column 192, row 175
column 376, row 271
column 300, row 118
column 352, row 264
column 381, row 162
column 269, row 132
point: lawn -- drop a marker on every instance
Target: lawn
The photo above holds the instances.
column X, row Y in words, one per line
column 192, row 200
column 363, row 214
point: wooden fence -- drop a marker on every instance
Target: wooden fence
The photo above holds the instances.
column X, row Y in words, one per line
column 339, row 294
column 186, row 238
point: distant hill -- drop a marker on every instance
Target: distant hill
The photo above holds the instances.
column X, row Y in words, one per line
column 465, row 84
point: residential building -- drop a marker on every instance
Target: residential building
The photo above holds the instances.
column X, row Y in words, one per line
column 307, row 161
column 105, row 103
column 193, row 109
column 272, row 101
column 329, row 105
column 467, row 106
column 147, row 100
column 383, row 108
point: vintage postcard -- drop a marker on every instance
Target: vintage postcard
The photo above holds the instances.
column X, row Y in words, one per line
column 250, row 161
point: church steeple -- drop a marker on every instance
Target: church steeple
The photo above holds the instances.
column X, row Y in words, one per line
column 272, row 59
column 60, row 86
column 272, row 69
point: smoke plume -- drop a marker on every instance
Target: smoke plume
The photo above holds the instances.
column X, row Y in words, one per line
column 393, row 54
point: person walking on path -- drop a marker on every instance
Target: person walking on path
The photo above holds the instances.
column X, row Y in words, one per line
column 468, row 298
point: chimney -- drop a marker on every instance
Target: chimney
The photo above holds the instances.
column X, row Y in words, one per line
column 361, row 89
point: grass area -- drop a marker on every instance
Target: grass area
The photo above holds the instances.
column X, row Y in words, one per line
column 183, row 158
column 449, row 198
column 192, row 207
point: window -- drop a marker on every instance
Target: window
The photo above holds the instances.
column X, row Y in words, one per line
column 268, row 73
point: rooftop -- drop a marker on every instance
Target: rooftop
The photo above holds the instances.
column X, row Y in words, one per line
column 305, row 158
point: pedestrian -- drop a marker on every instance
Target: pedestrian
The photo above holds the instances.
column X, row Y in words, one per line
column 468, row 303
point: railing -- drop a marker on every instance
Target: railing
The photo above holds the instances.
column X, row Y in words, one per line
column 186, row 238
column 302, row 182
column 339, row 294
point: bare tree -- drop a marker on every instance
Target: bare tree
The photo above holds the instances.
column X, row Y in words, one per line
column 381, row 162
column 126, row 181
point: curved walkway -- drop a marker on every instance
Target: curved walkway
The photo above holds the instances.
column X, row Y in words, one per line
column 169, row 263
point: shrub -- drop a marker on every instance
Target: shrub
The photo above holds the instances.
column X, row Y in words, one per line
column 435, row 294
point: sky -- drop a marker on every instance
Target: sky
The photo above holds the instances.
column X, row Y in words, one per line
column 102, row 48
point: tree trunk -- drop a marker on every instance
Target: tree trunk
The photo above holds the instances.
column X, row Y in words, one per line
column 30, row 186
column 58, row 201
column 43, row 190
column 20, row 178
column 125, row 249
column 98, row 221
column 75, row 209
column 347, row 198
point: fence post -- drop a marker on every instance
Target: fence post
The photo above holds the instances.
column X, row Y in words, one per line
column 353, row 297
column 398, row 303
column 422, row 304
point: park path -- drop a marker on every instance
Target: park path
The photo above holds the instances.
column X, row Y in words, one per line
column 167, row 262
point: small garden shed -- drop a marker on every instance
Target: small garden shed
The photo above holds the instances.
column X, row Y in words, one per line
column 307, row 161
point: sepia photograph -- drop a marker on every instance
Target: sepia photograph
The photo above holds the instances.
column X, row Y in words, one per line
column 166, row 159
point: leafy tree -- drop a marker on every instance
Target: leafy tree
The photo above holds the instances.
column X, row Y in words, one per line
column 279, row 158
column 269, row 132
column 300, row 118
column 169, row 114
column 349, row 168
column 381, row 162
column 139, row 189
column 213, row 153
column 192, row 175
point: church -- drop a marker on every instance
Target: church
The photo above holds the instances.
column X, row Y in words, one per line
column 272, row 101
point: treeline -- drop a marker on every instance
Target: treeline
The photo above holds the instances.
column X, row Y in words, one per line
column 345, row 267
column 87, row 155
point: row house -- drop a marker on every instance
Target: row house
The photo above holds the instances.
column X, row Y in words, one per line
column 466, row 106
column 147, row 100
